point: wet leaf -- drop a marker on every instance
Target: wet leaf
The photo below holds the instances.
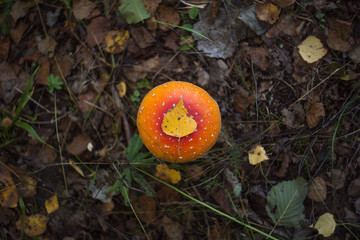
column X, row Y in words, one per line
column 116, row 41
column 133, row 11
column 317, row 190
column 8, row 193
column 51, row 204
column 257, row 155
column 267, row 12
column 165, row 173
column 325, row 224
column 314, row 114
column 176, row 123
column 121, row 87
column 34, row 225
column 83, row 8
column 311, row 49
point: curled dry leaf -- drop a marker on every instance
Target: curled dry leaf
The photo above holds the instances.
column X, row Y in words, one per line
column 257, row 155
column 267, row 12
column 314, row 114
column 317, row 190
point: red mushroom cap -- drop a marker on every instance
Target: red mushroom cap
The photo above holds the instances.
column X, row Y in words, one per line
column 200, row 106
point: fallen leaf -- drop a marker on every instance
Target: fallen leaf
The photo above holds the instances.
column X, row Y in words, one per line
column 145, row 208
column 173, row 229
column 47, row 46
column 4, row 48
column 177, row 123
column 63, row 67
column 339, row 34
column 314, row 114
column 27, row 186
column 259, row 56
column 44, row 72
column 121, row 88
column 311, row 49
column 193, row 172
column 294, row 118
column 86, row 100
column 79, row 144
column 283, row 3
column 82, row 8
column 8, row 193
column 34, row 225
column 168, row 15
column 165, row 173
column 242, row 100
column 133, row 11
column 267, row 12
column 317, row 189
column 354, row 188
column 220, row 196
column 151, row 5
column 285, row 159
column 142, row 37
column 285, row 25
column 96, row 31
column 18, row 10
column 17, row 33
column 257, row 155
column 325, row 224
column 167, row 194
column 116, row 41
column 339, row 178
column 51, row 204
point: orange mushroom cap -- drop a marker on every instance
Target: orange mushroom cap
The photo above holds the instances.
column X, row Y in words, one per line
column 200, row 106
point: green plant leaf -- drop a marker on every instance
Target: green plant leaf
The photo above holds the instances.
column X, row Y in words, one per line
column 134, row 147
column 133, row 11
column 285, row 202
column 30, row 130
column 194, row 12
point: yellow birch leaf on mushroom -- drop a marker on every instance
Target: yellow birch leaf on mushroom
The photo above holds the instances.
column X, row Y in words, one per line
column 51, row 204
column 311, row 49
column 115, row 41
column 34, row 225
column 165, row 173
column 325, row 224
column 257, row 155
column 176, row 123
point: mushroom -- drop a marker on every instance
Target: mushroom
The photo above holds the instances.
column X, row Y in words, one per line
column 178, row 121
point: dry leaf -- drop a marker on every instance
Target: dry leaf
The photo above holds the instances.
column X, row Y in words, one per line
column 173, row 229
column 325, row 224
column 27, row 187
column 8, row 193
column 96, row 31
column 116, row 41
column 17, row 33
column 311, row 49
column 176, row 123
column 4, row 49
column 51, row 204
column 86, row 100
column 242, row 100
column 257, row 155
column 283, row 3
column 317, row 190
column 121, row 88
column 314, row 114
column 47, row 46
column 267, row 12
column 168, row 15
column 79, row 144
column 151, row 5
column 18, row 10
column 76, row 168
column 34, row 225
column 142, row 37
column 165, row 173
column 82, row 8
column 44, row 72
column 145, row 209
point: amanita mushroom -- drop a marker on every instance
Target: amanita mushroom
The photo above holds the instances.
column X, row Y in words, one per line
column 178, row 121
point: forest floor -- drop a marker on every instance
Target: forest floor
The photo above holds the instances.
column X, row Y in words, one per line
column 284, row 73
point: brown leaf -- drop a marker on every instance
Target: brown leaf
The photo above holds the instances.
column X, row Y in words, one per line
column 27, row 186
column 142, row 37
column 193, row 172
column 19, row 10
column 65, row 63
column 285, row 25
column 47, row 155
column 7, row 72
column 78, row 144
column 145, row 209
column 317, row 190
column 173, row 229
column 44, row 72
column 267, row 12
column 170, row 41
column 295, row 117
column 17, row 33
column 83, row 8
column 354, row 188
column 151, row 5
column 339, row 178
column 167, row 194
column 284, row 158
column 96, row 31
column 259, row 56
column 47, row 46
column 4, row 48
column 86, row 100
column 314, row 114
column 336, row 42
column 168, row 15
column 283, row 3
column 242, row 100
column 219, row 195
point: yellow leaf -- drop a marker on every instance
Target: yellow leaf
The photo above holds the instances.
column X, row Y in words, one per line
column 115, row 41
column 325, row 224
column 34, row 225
column 267, row 12
column 257, row 155
column 76, row 168
column 176, row 123
column 121, row 87
column 8, row 193
column 169, row 175
column 51, row 204
column 311, row 49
